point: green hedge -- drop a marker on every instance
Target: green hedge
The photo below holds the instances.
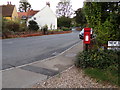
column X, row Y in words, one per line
column 97, row 59
column 66, row 29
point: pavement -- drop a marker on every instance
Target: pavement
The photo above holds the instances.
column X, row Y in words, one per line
column 27, row 75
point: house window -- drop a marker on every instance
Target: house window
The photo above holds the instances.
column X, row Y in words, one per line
column 14, row 17
column 34, row 18
column 24, row 17
column 29, row 16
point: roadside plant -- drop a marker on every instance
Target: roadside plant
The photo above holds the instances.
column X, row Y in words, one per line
column 10, row 25
column 45, row 29
column 24, row 6
column 13, row 26
column 64, row 22
column 33, row 25
column 103, row 17
column 23, row 27
column 66, row 29
column 97, row 59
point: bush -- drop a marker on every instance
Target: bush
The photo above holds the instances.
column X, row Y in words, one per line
column 64, row 22
column 9, row 27
column 45, row 29
column 23, row 27
column 12, row 26
column 65, row 29
column 97, row 59
column 33, row 25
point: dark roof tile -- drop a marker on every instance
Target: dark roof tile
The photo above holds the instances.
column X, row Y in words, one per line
column 7, row 10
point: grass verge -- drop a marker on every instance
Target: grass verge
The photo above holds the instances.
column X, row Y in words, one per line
column 104, row 75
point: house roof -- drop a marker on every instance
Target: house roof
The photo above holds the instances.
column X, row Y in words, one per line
column 20, row 14
column 48, row 7
column 32, row 12
column 27, row 14
column 7, row 10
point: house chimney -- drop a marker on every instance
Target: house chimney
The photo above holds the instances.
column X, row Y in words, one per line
column 7, row 3
column 47, row 3
column 10, row 3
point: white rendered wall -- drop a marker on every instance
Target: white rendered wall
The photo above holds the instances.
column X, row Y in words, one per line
column 45, row 17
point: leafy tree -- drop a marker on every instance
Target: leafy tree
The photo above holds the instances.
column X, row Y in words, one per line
column 64, row 8
column 9, row 27
column 13, row 26
column 80, row 17
column 64, row 22
column 24, row 6
column 33, row 25
column 5, row 31
column 104, row 18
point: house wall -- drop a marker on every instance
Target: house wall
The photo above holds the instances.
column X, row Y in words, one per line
column 45, row 17
column 14, row 14
column 8, row 18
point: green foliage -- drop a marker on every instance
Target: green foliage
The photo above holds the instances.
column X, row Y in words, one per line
column 23, row 27
column 97, row 59
column 45, row 29
column 103, row 17
column 5, row 31
column 24, row 6
column 33, row 25
column 9, row 27
column 96, row 73
column 108, row 75
column 65, row 29
column 106, row 30
column 56, row 30
column 64, row 22
column 102, row 65
column 80, row 17
column 0, row 24
column 12, row 26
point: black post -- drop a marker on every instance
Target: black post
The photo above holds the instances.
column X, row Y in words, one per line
column 86, row 47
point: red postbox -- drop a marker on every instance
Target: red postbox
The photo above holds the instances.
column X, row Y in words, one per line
column 87, row 35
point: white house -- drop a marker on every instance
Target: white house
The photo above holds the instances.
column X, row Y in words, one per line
column 45, row 17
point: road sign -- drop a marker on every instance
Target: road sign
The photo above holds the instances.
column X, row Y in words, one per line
column 113, row 45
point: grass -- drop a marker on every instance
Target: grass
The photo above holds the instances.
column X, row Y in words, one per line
column 101, row 65
column 105, row 75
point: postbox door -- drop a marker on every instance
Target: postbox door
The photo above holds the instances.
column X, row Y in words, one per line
column 87, row 35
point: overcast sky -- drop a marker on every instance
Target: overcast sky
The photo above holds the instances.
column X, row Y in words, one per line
column 39, row 4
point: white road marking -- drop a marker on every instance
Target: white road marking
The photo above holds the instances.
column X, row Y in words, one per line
column 41, row 60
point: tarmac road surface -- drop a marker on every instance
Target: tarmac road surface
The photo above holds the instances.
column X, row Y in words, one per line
column 20, row 51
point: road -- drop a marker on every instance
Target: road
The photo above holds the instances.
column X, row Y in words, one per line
column 20, row 51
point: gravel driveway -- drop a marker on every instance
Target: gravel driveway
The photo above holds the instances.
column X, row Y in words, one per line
column 72, row 78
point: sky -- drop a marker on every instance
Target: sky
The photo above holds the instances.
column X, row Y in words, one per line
column 39, row 4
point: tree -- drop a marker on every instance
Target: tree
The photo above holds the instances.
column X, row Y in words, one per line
column 24, row 6
column 64, row 8
column 104, row 18
column 64, row 22
column 80, row 17
column 33, row 25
